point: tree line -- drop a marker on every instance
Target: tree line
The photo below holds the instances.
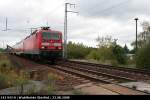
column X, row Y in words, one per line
column 108, row 51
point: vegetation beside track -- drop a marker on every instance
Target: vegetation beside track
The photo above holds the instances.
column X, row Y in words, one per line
column 143, row 44
column 1, row 50
column 12, row 76
column 112, row 54
column 143, row 57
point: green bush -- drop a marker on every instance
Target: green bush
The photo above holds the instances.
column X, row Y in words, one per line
column 3, row 81
column 114, row 63
column 143, row 57
column 131, row 61
column 5, row 66
column 1, row 50
column 77, row 51
column 106, row 54
column 119, row 54
column 51, row 81
column 101, row 54
column 93, row 55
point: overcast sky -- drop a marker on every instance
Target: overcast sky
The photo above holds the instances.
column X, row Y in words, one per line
column 95, row 18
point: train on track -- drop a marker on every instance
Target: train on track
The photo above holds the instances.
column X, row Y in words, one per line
column 43, row 43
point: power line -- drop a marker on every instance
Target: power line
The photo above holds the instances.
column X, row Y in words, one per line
column 106, row 9
column 113, row 6
column 96, row 5
column 56, row 8
column 53, row 11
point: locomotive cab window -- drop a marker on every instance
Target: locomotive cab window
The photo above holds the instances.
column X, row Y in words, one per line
column 48, row 35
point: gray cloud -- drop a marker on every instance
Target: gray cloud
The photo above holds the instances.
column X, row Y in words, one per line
column 95, row 18
column 118, row 9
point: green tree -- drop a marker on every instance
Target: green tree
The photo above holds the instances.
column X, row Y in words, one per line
column 94, row 54
column 119, row 54
column 105, row 41
column 126, row 49
column 133, row 51
column 77, row 51
column 105, row 45
column 143, row 57
column 106, row 53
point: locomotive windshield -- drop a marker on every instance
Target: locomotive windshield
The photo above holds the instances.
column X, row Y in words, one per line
column 48, row 35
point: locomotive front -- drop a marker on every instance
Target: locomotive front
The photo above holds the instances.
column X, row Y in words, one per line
column 51, row 44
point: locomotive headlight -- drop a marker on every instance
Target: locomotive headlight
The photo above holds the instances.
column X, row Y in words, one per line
column 43, row 47
column 59, row 48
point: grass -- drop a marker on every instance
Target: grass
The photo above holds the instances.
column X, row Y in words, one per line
column 50, row 84
column 130, row 63
column 5, row 68
column 31, row 90
column 4, row 82
column 9, row 75
column 51, row 90
column 51, row 81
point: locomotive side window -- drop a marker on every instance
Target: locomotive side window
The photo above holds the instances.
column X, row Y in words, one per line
column 48, row 35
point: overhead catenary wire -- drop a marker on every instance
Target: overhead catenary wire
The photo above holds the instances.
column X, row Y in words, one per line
column 112, row 7
column 97, row 4
column 115, row 6
column 54, row 10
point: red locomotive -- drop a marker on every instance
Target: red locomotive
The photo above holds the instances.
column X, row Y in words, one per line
column 43, row 43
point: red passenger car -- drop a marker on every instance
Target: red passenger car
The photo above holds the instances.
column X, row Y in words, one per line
column 42, row 43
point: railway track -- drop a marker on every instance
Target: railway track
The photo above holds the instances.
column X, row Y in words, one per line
column 96, row 77
column 126, row 73
column 93, row 75
column 136, row 70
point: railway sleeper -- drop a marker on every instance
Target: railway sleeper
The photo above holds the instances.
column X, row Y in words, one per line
column 135, row 70
column 97, row 76
column 84, row 75
column 101, row 73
